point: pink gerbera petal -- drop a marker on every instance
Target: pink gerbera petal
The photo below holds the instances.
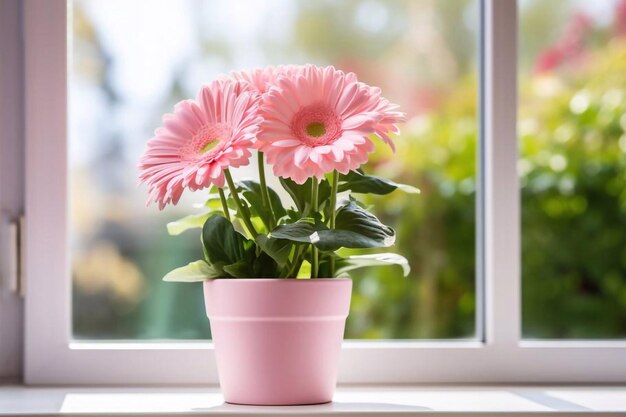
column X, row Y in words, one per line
column 316, row 120
column 199, row 140
column 262, row 79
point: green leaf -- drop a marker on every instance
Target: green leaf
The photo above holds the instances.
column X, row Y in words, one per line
column 359, row 182
column 354, row 228
column 222, row 243
column 265, row 267
column 193, row 221
column 251, row 191
column 377, row 259
column 277, row 249
column 240, row 269
column 301, row 194
column 193, row 272
column 214, row 203
column 196, row 221
column 302, row 231
column 305, row 270
column 296, row 192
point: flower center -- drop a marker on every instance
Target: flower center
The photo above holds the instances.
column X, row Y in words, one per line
column 316, row 129
column 210, row 144
column 316, row 125
column 205, row 140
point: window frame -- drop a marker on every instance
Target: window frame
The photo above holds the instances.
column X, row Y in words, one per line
column 499, row 355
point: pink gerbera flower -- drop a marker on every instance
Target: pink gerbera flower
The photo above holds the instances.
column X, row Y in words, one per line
column 261, row 79
column 201, row 139
column 317, row 120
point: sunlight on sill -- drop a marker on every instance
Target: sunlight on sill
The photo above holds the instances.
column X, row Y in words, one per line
column 347, row 401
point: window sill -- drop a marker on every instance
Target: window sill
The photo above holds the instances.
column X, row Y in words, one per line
column 348, row 401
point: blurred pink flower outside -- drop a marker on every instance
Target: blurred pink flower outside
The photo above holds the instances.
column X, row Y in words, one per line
column 201, row 139
column 318, row 119
column 619, row 22
column 569, row 49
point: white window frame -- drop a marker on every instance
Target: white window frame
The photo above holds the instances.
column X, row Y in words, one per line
column 499, row 356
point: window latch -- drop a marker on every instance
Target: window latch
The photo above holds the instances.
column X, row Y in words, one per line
column 11, row 259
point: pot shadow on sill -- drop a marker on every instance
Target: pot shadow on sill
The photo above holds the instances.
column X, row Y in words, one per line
column 333, row 406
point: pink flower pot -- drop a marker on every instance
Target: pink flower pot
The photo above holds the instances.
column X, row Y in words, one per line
column 277, row 341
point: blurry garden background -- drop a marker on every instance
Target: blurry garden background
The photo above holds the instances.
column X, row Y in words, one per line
column 132, row 60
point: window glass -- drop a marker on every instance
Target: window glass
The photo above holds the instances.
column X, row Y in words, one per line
column 132, row 60
column 572, row 124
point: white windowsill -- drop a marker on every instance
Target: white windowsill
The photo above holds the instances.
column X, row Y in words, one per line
column 348, row 401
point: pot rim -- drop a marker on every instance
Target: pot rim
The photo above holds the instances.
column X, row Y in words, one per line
column 279, row 279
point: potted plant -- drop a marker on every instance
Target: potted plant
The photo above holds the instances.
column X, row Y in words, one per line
column 276, row 290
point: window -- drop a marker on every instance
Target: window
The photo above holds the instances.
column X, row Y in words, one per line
column 131, row 63
column 58, row 351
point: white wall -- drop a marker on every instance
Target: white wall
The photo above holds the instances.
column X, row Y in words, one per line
column 11, row 173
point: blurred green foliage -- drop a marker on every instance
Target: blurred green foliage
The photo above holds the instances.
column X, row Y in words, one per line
column 573, row 191
column 573, row 172
column 436, row 230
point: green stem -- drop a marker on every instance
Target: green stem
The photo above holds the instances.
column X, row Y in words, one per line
column 242, row 212
column 224, row 203
column 265, row 195
column 333, row 203
column 314, row 250
column 297, row 262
